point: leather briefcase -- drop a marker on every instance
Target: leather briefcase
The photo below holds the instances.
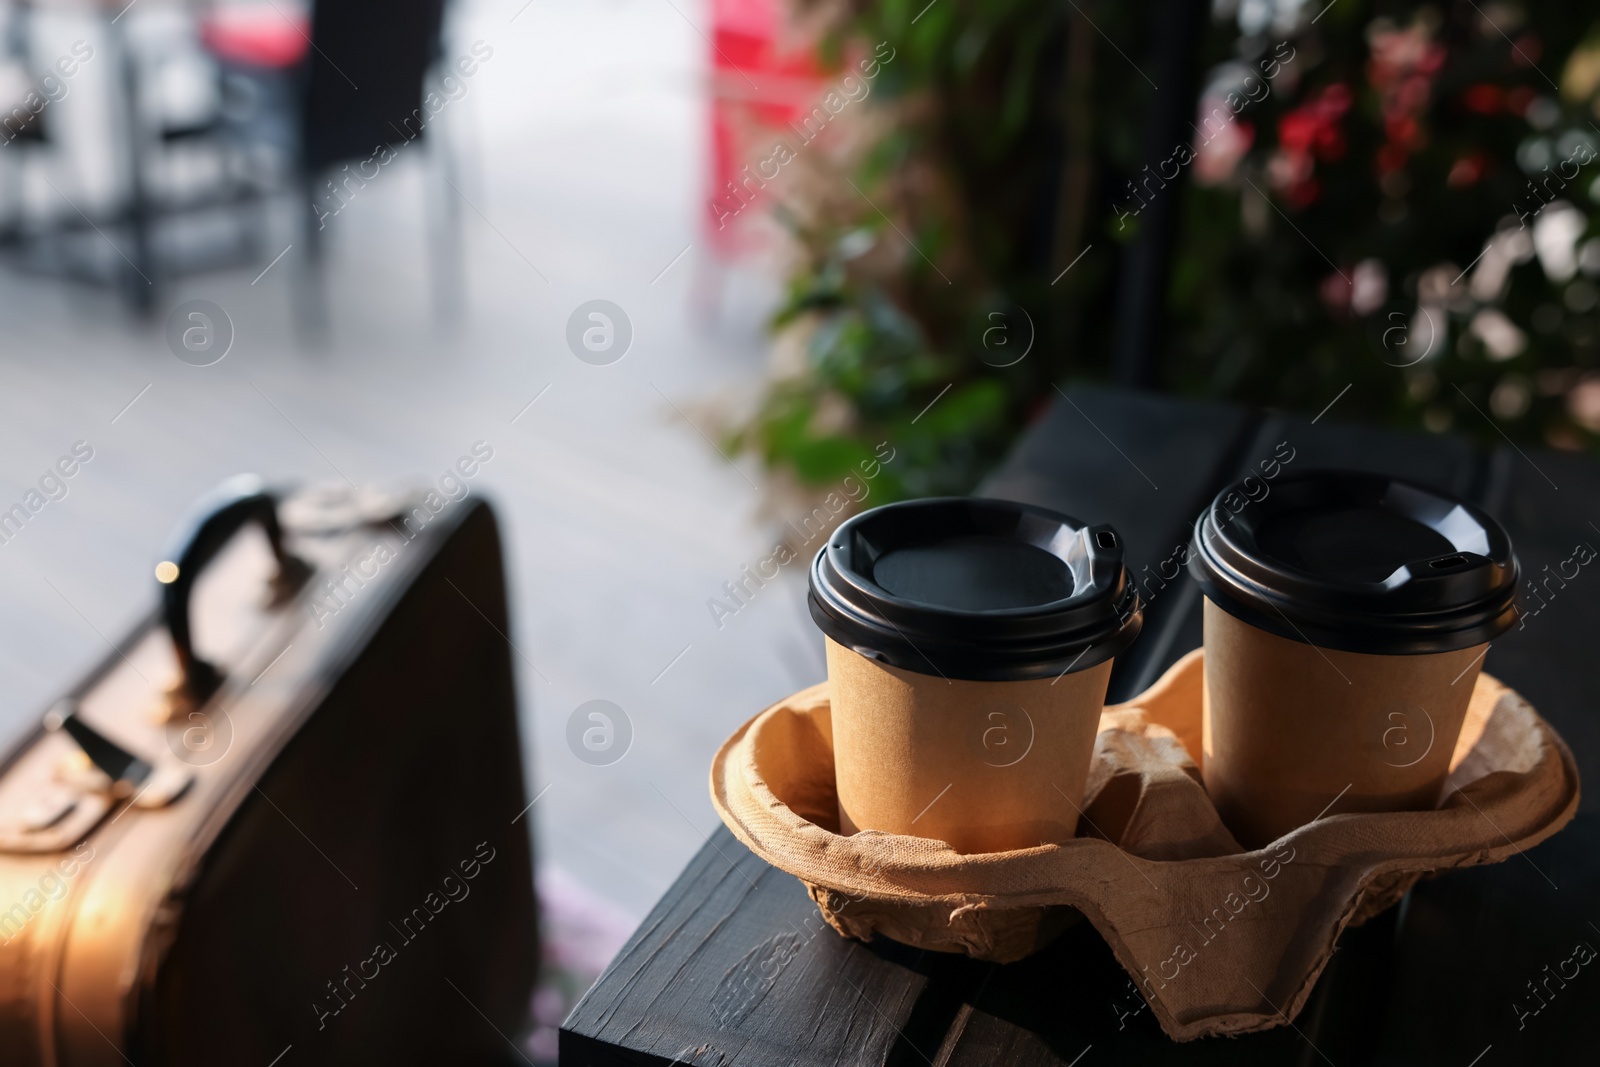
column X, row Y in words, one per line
column 284, row 822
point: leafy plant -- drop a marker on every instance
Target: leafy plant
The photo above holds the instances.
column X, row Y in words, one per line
column 921, row 301
column 1398, row 213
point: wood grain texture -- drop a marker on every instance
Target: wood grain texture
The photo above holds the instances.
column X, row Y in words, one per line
column 735, row 966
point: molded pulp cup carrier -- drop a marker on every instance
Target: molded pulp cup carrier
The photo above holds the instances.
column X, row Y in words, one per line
column 969, row 644
column 1347, row 616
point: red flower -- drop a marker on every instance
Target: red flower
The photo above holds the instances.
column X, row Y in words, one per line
column 1391, row 157
column 1297, row 131
column 1484, row 98
column 1330, row 144
column 1310, row 130
column 1402, row 130
column 1303, row 194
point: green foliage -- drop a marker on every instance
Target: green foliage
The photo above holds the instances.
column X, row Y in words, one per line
column 1349, row 223
column 918, row 288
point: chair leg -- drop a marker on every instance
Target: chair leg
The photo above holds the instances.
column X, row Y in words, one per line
column 310, row 285
column 138, row 275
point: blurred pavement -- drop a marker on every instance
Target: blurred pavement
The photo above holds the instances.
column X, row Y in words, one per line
column 581, row 143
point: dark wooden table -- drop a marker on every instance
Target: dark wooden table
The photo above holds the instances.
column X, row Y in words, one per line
column 735, row 967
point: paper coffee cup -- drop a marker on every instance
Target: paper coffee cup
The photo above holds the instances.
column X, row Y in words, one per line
column 1347, row 616
column 969, row 647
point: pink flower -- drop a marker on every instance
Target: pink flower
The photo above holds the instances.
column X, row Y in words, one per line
column 1217, row 157
column 1402, row 67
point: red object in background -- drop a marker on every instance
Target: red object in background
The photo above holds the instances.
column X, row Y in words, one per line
column 1302, row 195
column 1467, row 170
column 1312, row 128
column 1312, row 131
column 1402, row 130
column 1402, row 68
column 759, row 82
column 256, row 35
column 1391, row 157
column 1484, row 98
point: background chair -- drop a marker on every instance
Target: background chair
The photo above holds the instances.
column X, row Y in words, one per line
column 364, row 92
column 220, row 114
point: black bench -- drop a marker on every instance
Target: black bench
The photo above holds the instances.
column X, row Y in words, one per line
column 734, row 965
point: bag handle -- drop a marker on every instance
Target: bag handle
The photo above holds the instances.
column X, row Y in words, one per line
column 220, row 515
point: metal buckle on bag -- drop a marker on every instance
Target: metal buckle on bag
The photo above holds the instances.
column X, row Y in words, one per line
column 120, row 772
column 73, row 775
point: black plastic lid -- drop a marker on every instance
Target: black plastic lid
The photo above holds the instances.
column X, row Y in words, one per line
column 1358, row 562
column 987, row 590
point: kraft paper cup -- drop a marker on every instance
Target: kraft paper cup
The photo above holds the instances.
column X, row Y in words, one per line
column 1347, row 617
column 969, row 645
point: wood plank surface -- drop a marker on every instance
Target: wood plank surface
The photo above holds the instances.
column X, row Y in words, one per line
column 1473, row 940
column 735, row 966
